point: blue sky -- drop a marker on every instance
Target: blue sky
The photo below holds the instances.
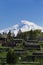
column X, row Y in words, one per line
column 13, row 11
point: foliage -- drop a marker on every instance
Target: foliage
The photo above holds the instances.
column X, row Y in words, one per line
column 9, row 34
column 19, row 35
column 29, row 35
column 34, row 35
column 11, row 57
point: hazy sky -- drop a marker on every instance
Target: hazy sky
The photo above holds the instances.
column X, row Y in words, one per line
column 13, row 11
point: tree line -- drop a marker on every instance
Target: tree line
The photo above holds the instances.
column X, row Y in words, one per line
column 29, row 35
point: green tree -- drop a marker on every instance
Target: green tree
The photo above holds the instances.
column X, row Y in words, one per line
column 34, row 35
column 4, row 35
column 2, row 61
column 9, row 34
column 19, row 35
column 30, row 35
column 11, row 57
column 37, row 34
column 0, row 35
column 9, row 37
column 8, row 57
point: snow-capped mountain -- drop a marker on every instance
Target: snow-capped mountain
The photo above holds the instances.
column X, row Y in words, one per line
column 24, row 26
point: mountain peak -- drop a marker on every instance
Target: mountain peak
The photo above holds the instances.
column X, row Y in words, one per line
column 24, row 26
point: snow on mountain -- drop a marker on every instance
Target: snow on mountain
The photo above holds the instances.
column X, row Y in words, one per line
column 12, row 28
column 30, row 25
column 24, row 26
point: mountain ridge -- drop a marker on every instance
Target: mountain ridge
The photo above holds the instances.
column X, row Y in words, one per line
column 24, row 26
